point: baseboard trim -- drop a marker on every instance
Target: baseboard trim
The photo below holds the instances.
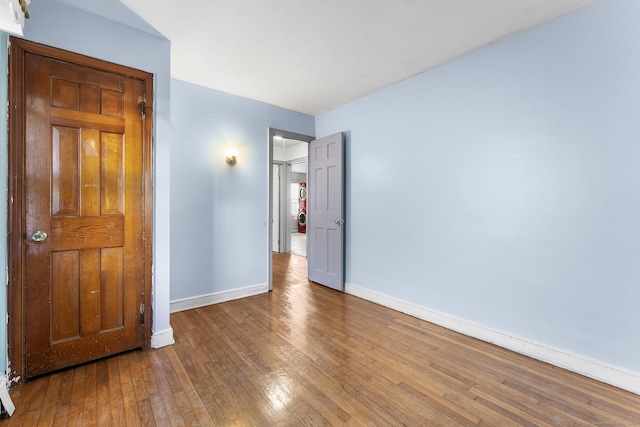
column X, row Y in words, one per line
column 162, row 338
column 613, row 375
column 217, row 297
column 7, row 403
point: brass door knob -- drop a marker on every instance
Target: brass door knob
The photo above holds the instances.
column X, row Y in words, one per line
column 39, row 236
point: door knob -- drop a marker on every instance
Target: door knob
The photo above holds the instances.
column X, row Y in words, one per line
column 38, row 236
column 339, row 221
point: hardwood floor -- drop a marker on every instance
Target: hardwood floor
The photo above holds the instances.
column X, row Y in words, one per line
column 299, row 244
column 307, row 355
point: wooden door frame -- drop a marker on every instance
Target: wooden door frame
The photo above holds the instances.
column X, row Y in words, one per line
column 16, row 196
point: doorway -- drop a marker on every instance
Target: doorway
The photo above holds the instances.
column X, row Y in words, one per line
column 288, row 153
column 81, row 217
column 289, row 196
column 298, row 204
column 290, row 200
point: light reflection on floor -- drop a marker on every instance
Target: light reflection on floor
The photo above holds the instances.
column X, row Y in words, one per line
column 299, row 244
column 279, row 392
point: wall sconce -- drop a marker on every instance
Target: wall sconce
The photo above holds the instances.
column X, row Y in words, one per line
column 232, row 157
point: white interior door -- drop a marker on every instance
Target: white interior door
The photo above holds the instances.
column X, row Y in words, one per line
column 275, row 218
column 325, row 211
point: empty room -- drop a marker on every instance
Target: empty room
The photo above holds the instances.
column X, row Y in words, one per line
column 468, row 209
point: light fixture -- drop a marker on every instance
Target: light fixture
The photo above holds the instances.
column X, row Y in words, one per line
column 232, row 157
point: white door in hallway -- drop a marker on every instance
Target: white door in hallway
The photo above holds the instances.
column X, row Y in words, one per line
column 275, row 218
column 325, row 211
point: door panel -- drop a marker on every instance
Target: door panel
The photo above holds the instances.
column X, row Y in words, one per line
column 325, row 211
column 65, row 307
column 84, row 179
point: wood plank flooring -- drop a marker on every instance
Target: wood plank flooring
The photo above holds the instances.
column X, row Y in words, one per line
column 307, row 355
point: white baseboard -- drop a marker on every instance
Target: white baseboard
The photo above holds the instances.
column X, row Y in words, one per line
column 162, row 338
column 7, row 403
column 217, row 297
column 614, row 375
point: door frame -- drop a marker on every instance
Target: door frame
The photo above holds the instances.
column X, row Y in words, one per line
column 288, row 135
column 16, row 198
column 285, row 224
column 275, row 218
column 283, row 197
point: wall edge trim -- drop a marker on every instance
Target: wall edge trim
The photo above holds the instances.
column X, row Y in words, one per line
column 217, row 297
column 162, row 338
column 600, row 371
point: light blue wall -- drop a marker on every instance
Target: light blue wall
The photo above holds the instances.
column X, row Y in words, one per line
column 504, row 187
column 219, row 213
column 67, row 28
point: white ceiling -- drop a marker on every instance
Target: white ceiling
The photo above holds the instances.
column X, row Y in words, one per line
column 312, row 56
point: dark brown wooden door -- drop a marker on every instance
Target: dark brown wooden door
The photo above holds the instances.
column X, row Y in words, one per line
column 83, row 186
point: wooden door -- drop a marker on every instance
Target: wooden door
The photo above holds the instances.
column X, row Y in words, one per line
column 86, row 212
column 325, row 211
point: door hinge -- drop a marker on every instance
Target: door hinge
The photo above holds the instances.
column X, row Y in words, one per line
column 23, row 6
column 142, row 313
column 142, row 102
